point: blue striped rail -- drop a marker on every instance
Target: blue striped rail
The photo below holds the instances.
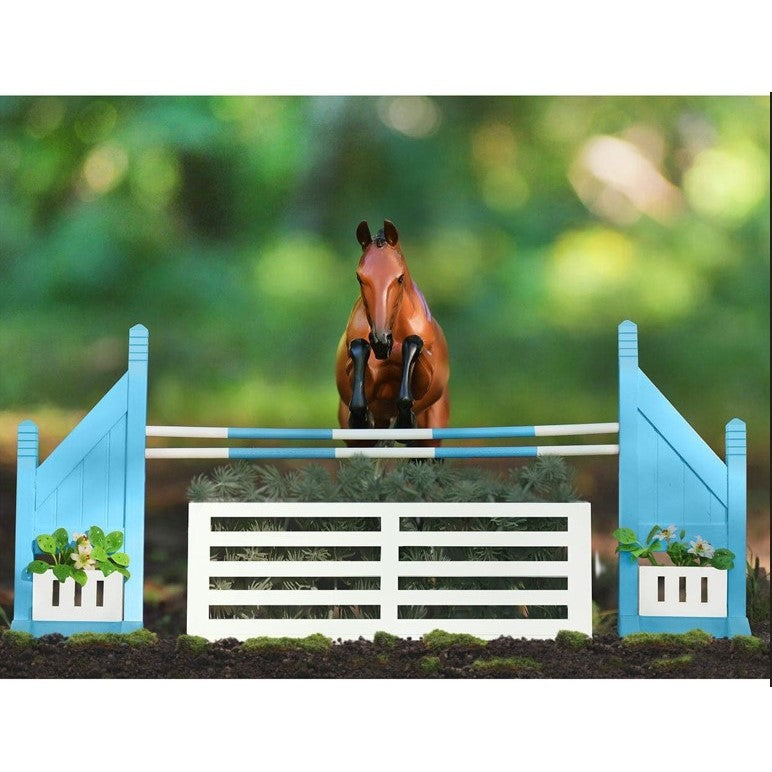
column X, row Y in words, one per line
column 477, row 432
column 332, row 453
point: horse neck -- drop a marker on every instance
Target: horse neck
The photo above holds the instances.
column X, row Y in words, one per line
column 414, row 310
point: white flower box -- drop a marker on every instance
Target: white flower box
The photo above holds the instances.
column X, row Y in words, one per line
column 99, row 600
column 681, row 591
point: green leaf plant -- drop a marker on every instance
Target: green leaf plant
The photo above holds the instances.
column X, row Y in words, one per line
column 697, row 552
column 86, row 552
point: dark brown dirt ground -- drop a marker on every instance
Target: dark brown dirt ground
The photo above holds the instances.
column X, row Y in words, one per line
column 605, row 657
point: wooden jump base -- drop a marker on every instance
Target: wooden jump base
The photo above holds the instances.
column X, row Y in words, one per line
column 667, row 474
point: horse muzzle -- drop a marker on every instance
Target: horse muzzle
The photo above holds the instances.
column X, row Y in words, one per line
column 382, row 343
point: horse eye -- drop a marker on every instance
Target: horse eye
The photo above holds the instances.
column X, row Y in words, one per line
column 401, row 278
column 359, row 278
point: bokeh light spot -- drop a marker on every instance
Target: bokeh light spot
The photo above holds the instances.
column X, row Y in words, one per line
column 103, row 169
column 414, row 116
column 598, row 276
column 727, row 183
column 618, row 181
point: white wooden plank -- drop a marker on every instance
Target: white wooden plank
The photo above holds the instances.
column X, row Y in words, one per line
column 481, row 568
column 483, row 597
column 294, row 568
column 199, row 530
column 294, row 597
column 580, row 570
column 284, row 509
column 389, row 569
column 294, row 539
column 483, row 539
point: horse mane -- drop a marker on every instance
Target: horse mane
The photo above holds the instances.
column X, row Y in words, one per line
column 380, row 238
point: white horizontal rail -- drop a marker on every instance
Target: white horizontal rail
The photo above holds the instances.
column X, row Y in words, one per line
column 356, row 568
column 295, row 597
column 404, row 539
column 294, row 509
column 483, row 597
column 299, row 568
column 483, row 568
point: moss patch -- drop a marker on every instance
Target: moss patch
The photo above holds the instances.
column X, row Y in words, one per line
column 747, row 644
column 137, row 638
column 315, row 642
column 192, row 644
column 691, row 640
column 506, row 664
column 430, row 665
column 670, row 663
column 572, row 639
column 437, row 640
column 18, row 639
column 384, row 640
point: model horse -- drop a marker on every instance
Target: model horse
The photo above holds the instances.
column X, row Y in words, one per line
column 404, row 384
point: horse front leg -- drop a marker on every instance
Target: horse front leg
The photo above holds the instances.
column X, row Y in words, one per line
column 411, row 348
column 359, row 416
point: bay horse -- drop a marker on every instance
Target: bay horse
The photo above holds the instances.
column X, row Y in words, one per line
column 404, row 385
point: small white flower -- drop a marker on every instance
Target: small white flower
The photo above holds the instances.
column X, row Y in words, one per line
column 84, row 548
column 83, row 560
column 701, row 548
column 667, row 533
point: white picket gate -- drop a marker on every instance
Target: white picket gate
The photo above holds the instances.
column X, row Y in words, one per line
column 202, row 539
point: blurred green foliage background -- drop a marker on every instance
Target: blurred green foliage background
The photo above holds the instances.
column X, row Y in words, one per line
column 533, row 225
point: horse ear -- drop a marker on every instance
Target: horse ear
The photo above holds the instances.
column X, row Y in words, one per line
column 390, row 232
column 363, row 234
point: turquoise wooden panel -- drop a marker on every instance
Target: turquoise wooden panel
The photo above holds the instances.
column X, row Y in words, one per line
column 697, row 498
column 69, row 500
column 696, row 454
column 116, row 489
column 718, row 512
column 79, row 442
column 45, row 517
column 96, row 479
column 647, row 468
column 669, row 484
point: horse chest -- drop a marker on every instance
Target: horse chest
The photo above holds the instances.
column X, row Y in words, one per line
column 384, row 380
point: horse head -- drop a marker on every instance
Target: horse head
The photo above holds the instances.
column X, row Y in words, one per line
column 383, row 276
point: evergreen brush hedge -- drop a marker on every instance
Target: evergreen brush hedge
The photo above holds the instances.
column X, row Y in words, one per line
column 361, row 479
